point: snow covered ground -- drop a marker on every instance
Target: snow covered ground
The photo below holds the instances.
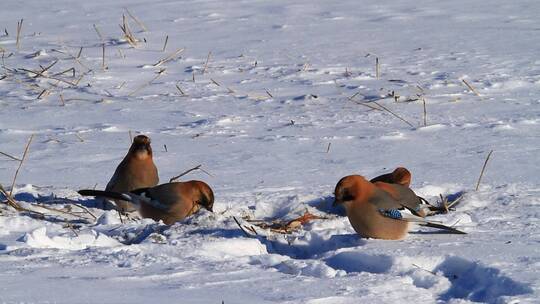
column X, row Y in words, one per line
column 269, row 114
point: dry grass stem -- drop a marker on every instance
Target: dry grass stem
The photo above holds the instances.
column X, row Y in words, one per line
column 180, row 90
column 79, row 137
column 21, row 163
column 121, row 54
column 394, row 114
column 328, row 147
column 471, row 88
column 455, row 202
column 145, row 85
column 49, row 77
column 79, row 53
column 139, row 22
column 103, row 67
column 77, row 59
column 353, row 95
column 425, row 112
column 9, row 156
column 10, row 201
column 206, row 63
column 377, row 68
column 198, row 167
column 288, row 226
column 444, row 203
column 215, row 82
column 242, row 228
column 127, row 32
column 19, row 29
column 121, row 85
column 60, row 211
column 268, row 93
column 99, row 34
column 165, row 43
column 169, row 58
column 483, row 169
column 45, row 69
column 72, row 70
column 433, row 273
column 365, row 105
column 43, row 94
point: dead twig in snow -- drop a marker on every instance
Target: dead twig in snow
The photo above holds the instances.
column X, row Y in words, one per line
column 165, row 44
column 130, row 38
column 483, row 169
column 99, row 33
column 139, row 22
column 180, row 90
column 206, row 63
column 169, row 58
column 471, row 88
column 377, row 68
column 20, row 164
column 19, row 29
column 198, row 167
column 394, row 114
column 9, row 156
column 425, row 112
column 289, row 226
column 241, row 227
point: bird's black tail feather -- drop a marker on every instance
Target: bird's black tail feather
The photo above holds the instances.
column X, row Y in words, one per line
column 107, row 194
column 443, row 227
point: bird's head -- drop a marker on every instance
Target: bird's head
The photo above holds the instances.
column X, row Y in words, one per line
column 348, row 189
column 401, row 176
column 140, row 147
column 206, row 198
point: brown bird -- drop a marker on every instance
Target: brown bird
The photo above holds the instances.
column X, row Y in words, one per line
column 397, row 184
column 400, row 176
column 372, row 209
column 137, row 170
column 170, row 202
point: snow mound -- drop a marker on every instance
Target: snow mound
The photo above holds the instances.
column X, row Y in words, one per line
column 230, row 248
column 39, row 239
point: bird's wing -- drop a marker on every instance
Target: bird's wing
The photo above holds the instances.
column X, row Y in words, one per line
column 148, row 196
column 383, row 200
column 405, row 197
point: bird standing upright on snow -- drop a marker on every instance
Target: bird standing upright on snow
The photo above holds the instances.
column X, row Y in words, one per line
column 137, row 170
column 372, row 209
column 168, row 202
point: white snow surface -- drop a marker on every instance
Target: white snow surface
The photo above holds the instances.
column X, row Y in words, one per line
column 269, row 115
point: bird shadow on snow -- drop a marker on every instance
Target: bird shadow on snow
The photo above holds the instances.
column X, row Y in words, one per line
column 475, row 282
column 218, row 232
column 324, row 204
column 313, row 246
column 52, row 199
column 353, row 261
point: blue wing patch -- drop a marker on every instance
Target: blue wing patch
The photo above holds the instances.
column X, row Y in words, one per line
column 392, row 213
